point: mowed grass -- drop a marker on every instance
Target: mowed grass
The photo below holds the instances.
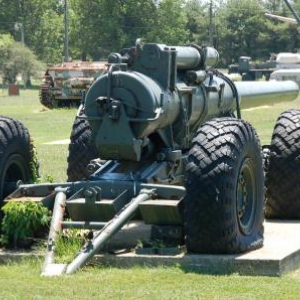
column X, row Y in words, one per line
column 45, row 126
column 263, row 119
column 23, row 281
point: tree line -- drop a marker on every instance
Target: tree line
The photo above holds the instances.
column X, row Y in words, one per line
column 99, row 27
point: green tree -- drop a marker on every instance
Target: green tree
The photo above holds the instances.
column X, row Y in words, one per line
column 170, row 27
column 197, row 22
column 138, row 19
column 243, row 21
column 6, row 40
column 104, row 26
column 275, row 6
column 46, row 27
column 296, row 6
column 98, row 28
column 41, row 27
column 281, row 36
column 17, row 59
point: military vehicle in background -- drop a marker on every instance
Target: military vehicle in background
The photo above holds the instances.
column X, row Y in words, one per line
column 288, row 64
column 252, row 70
column 288, row 67
column 63, row 84
column 278, row 67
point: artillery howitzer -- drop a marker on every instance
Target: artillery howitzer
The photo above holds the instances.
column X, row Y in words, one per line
column 172, row 152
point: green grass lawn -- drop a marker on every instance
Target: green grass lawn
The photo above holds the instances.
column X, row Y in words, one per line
column 23, row 280
column 263, row 119
column 45, row 127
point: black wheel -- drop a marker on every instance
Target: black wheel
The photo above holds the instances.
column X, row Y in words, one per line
column 17, row 159
column 283, row 173
column 224, row 189
column 45, row 96
column 81, row 151
column 248, row 77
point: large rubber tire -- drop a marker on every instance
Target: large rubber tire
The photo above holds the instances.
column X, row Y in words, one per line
column 248, row 77
column 81, row 151
column 45, row 96
column 17, row 156
column 223, row 207
column 283, row 173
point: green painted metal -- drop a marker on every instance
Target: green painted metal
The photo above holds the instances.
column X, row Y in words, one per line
column 157, row 92
column 162, row 212
column 144, row 112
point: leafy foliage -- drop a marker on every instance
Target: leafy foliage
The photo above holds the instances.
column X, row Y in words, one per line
column 21, row 220
column 16, row 59
column 6, row 41
column 98, row 27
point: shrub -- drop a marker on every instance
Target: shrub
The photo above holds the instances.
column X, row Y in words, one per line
column 21, row 220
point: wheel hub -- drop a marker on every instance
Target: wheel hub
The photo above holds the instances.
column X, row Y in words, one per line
column 246, row 197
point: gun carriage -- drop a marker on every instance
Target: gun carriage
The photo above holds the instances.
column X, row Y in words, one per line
column 170, row 148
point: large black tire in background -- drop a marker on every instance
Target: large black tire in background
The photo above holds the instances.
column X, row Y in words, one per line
column 81, row 151
column 45, row 96
column 248, row 77
column 283, row 172
column 223, row 207
column 17, row 156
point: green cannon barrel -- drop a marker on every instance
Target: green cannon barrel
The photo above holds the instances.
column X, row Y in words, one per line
column 258, row 93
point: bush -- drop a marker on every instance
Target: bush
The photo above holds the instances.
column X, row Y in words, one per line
column 21, row 221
